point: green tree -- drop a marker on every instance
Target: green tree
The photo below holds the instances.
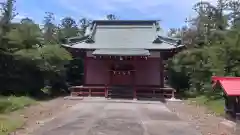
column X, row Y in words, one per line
column 8, row 13
column 68, row 28
column 50, row 29
column 24, row 35
column 234, row 15
column 212, row 48
column 84, row 24
column 111, row 17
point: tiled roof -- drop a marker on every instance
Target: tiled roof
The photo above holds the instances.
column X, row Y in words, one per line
column 122, row 34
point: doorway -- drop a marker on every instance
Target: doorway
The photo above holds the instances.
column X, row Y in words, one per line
column 122, row 81
column 122, row 75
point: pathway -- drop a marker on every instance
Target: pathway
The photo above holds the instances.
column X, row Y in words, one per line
column 117, row 117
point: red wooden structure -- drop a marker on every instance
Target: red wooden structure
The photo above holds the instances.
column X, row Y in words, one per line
column 124, row 59
column 231, row 87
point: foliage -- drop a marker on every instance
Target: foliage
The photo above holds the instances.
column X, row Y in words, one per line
column 212, row 42
column 111, row 17
column 68, row 28
column 31, row 57
column 84, row 24
column 75, row 72
column 25, row 35
column 50, row 29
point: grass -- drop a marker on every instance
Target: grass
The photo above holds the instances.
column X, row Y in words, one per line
column 9, row 124
column 213, row 104
column 8, row 105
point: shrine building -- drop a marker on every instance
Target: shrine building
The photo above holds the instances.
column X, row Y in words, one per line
column 123, row 58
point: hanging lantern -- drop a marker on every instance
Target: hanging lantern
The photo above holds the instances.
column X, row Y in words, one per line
column 110, row 57
column 129, row 72
column 119, row 73
column 124, row 73
column 146, row 58
column 114, row 72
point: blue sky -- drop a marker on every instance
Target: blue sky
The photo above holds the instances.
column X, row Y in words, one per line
column 172, row 13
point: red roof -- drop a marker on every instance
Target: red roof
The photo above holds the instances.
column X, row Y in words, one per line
column 231, row 85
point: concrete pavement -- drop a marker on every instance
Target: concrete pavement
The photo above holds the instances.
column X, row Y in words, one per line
column 117, row 117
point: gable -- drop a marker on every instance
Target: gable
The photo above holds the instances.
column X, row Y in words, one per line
column 124, row 36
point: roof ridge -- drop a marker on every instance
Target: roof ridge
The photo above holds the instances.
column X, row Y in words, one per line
column 124, row 22
column 176, row 43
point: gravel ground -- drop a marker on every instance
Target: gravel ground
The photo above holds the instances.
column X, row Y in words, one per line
column 35, row 116
column 200, row 117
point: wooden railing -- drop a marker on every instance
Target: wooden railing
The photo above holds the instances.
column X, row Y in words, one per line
column 149, row 92
column 139, row 92
column 88, row 91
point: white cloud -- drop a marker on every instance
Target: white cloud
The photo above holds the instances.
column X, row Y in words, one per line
column 19, row 17
column 93, row 7
column 172, row 12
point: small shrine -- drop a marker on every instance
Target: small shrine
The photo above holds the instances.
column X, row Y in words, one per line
column 231, row 94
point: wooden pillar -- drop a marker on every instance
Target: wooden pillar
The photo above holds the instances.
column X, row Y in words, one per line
column 107, row 73
column 134, row 85
column 230, row 106
column 90, row 92
column 106, row 91
column 109, row 77
column 161, row 71
column 237, row 115
column 237, row 108
column 134, row 78
column 85, row 69
column 226, row 106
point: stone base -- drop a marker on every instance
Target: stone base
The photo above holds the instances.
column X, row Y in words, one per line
column 173, row 99
column 73, row 98
column 227, row 126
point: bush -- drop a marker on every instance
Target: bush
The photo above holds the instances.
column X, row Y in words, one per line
column 19, row 77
